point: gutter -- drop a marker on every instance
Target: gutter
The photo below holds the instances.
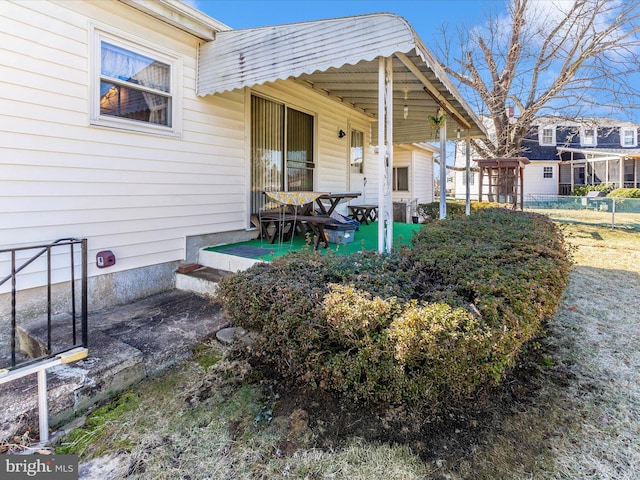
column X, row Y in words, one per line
column 180, row 15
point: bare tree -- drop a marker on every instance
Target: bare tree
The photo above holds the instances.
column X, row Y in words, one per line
column 555, row 57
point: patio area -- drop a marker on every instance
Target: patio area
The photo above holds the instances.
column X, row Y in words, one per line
column 366, row 238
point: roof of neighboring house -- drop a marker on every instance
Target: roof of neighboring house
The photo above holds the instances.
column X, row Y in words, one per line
column 340, row 58
column 600, row 122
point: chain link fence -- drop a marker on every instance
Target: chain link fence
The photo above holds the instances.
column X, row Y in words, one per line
column 604, row 211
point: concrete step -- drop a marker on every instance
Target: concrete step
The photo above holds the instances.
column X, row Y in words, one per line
column 200, row 279
column 126, row 344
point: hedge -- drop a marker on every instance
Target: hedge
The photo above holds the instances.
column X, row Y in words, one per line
column 625, row 193
column 423, row 326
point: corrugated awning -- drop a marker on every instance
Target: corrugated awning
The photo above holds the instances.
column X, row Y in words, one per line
column 339, row 57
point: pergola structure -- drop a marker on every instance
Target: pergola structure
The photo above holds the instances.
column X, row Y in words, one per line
column 502, row 180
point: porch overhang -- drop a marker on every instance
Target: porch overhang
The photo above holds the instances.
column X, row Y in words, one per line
column 340, row 59
column 600, row 154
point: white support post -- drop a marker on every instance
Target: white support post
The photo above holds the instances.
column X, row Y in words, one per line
column 613, row 213
column 467, row 208
column 443, row 168
column 621, row 172
column 385, row 154
column 389, row 164
column 43, row 408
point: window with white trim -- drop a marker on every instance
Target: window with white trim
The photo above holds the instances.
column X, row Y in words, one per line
column 547, row 136
column 356, row 152
column 400, row 179
column 135, row 87
column 472, row 178
column 628, row 137
column 588, row 137
column 547, row 172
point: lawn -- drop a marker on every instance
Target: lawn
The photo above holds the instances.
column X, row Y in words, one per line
column 570, row 410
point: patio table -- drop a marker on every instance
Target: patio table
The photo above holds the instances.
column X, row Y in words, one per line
column 364, row 213
column 334, row 199
column 297, row 211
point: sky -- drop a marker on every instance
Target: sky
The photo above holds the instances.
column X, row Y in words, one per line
column 425, row 16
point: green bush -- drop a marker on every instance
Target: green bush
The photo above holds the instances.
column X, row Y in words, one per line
column 581, row 191
column 429, row 212
column 625, row 193
column 424, row 326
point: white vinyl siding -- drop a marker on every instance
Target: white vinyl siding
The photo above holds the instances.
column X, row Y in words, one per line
column 422, row 177
column 535, row 182
column 137, row 195
column 419, row 167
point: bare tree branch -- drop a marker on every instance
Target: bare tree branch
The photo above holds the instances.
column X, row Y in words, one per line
column 549, row 57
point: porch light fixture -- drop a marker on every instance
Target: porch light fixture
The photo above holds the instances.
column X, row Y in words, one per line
column 341, row 133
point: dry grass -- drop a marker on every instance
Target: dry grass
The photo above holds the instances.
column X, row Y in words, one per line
column 580, row 417
column 624, row 221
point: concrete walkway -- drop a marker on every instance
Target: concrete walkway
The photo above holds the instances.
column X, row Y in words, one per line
column 126, row 344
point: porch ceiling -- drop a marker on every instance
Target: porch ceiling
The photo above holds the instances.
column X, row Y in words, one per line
column 339, row 58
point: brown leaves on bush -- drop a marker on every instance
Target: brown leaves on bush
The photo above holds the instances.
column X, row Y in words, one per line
column 424, row 326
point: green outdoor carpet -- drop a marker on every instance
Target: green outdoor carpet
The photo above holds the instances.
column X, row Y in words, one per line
column 364, row 239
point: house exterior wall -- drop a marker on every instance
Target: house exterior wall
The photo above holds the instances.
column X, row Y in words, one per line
column 151, row 199
column 332, row 152
column 423, row 178
column 420, row 164
column 136, row 194
column 534, row 180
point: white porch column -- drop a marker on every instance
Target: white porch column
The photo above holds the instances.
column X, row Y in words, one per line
column 467, row 208
column 443, row 168
column 385, row 154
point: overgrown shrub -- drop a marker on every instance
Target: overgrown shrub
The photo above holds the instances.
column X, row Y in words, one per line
column 581, row 191
column 430, row 212
column 625, row 193
column 423, row 326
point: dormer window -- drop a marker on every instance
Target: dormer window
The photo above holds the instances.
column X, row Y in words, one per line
column 547, row 136
column 628, row 137
column 588, row 137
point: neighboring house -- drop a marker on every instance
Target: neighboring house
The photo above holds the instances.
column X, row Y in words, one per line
column 591, row 152
column 565, row 154
column 152, row 129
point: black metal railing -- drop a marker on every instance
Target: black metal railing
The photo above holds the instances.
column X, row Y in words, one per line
column 73, row 244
